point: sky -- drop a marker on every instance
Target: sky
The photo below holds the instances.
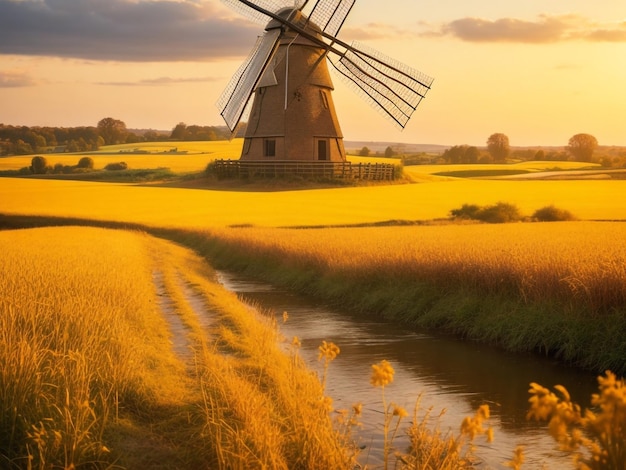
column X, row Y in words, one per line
column 539, row 71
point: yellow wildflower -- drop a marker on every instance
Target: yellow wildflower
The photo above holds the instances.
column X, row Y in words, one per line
column 296, row 342
column 329, row 351
column 399, row 411
column 382, row 374
column 285, row 317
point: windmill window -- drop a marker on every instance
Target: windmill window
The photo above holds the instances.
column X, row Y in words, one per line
column 322, row 149
column 324, row 99
column 269, row 147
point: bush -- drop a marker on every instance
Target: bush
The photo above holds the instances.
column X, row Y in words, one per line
column 116, row 166
column 467, row 211
column 38, row 165
column 500, row 213
column 552, row 214
column 497, row 214
column 85, row 162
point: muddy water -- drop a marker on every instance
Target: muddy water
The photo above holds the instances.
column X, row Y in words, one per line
column 447, row 373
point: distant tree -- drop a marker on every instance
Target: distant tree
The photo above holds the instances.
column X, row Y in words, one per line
column 179, row 132
column 38, row 165
column 113, row 131
column 540, row 155
column 582, row 146
column 498, row 146
column 132, row 138
column 472, row 154
column 151, row 136
column 23, row 148
column 364, row 152
column 455, row 154
column 85, row 162
column 389, row 152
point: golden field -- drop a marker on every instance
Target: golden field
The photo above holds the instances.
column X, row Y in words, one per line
column 105, row 359
column 86, row 352
column 198, row 208
column 578, row 263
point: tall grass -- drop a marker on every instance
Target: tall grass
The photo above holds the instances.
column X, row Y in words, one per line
column 73, row 304
column 88, row 376
column 554, row 288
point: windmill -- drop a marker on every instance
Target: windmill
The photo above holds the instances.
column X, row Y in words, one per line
column 292, row 116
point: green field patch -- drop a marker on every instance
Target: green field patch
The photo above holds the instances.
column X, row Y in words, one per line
column 480, row 173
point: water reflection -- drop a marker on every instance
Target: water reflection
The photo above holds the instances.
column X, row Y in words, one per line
column 447, row 373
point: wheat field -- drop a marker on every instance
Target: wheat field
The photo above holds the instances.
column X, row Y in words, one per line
column 118, row 349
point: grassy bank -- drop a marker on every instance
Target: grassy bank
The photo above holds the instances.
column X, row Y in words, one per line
column 555, row 289
column 106, row 362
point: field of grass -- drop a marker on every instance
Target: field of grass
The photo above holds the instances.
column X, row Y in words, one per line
column 197, row 208
column 554, row 288
column 192, row 156
column 558, row 289
column 90, row 378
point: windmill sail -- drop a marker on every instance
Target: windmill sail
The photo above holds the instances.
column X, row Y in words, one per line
column 255, row 14
column 234, row 99
column 392, row 87
column 329, row 15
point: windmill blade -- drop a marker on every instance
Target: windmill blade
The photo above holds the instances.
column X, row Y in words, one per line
column 330, row 15
column 392, row 87
column 258, row 16
column 234, row 99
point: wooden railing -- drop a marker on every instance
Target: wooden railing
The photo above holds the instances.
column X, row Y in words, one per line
column 305, row 169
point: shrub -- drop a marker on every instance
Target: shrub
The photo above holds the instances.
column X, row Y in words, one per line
column 552, row 214
column 85, row 162
column 38, row 165
column 58, row 168
column 498, row 213
column 467, row 211
column 116, row 166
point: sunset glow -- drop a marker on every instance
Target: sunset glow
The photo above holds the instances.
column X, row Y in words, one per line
column 537, row 72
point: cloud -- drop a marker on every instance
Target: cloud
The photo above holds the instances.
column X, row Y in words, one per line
column 123, row 30
column 10, row 79
column 546, row 29
column 161, row 81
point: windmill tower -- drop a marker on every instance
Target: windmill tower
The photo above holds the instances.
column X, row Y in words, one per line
column 292, row 115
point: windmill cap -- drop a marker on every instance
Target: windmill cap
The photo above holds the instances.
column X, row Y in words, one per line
column 293, row 16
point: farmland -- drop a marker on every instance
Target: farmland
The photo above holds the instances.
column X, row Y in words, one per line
column 246, row 204
column 557, row 289
column 89, row 375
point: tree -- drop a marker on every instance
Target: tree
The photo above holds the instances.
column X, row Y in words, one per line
column 179, row 132
column 454, row 154
column 85, row 162
column 498, row 146
column 364, row 152
column 389, row 152
column 582, row 146
column 38, row 165
column 472, row 154
column 113, row 131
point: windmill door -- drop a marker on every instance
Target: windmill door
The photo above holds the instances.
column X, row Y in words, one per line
column 322, row 149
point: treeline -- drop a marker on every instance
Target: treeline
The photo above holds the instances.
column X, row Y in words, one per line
column 24, row 140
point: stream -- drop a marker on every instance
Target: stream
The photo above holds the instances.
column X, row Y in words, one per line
column 444, row 373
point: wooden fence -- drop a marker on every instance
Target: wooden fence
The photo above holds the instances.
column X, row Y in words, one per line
column 305, row 169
